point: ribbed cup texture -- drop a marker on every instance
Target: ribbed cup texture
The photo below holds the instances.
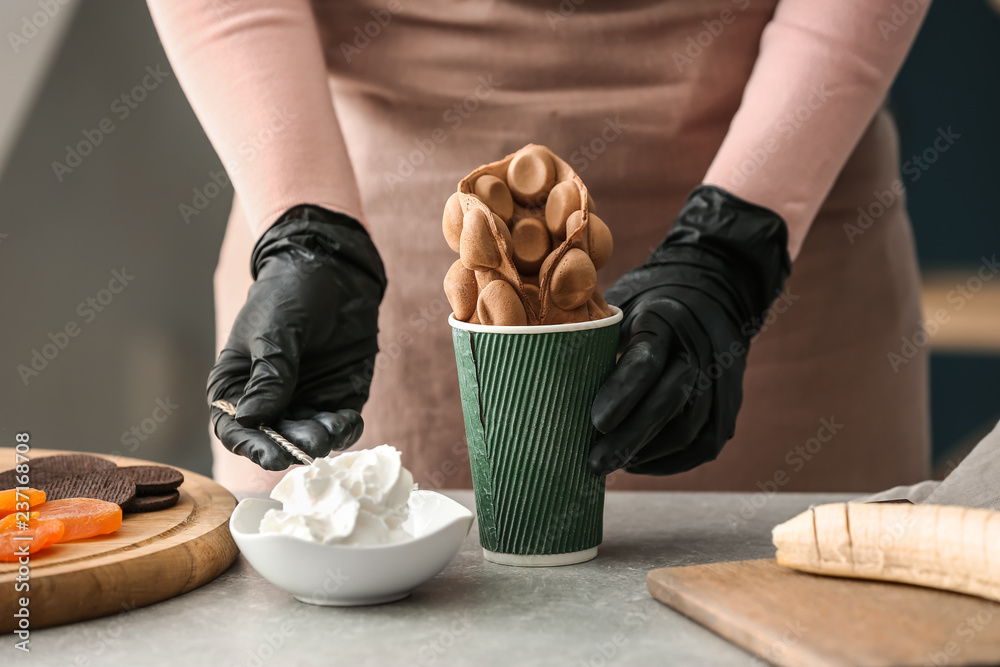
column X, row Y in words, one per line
column 527, row 400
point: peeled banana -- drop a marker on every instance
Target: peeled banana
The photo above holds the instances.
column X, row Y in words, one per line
column 951, row 548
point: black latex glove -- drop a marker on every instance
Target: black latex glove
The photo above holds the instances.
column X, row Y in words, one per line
column 670, row 403
column 302, row 349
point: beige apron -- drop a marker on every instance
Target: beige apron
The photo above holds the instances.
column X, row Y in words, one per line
column 428, row 93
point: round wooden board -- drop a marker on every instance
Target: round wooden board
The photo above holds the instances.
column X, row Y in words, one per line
column 152, row 557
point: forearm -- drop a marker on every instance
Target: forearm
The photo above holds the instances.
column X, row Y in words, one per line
column 823, row 71
column 254, row 74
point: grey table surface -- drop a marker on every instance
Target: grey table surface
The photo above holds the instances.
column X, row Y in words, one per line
column 594, row 614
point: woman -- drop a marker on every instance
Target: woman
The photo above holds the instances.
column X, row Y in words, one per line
column 371, row 111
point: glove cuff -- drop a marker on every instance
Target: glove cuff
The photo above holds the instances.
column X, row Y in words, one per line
column 319, row 233
column 744, row 242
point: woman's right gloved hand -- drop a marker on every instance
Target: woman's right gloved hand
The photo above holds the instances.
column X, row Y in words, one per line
column 301, row 352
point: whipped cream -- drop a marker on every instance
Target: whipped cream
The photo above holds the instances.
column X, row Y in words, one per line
column 357, row 498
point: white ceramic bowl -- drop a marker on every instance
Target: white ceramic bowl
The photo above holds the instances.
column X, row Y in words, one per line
column 337, row 575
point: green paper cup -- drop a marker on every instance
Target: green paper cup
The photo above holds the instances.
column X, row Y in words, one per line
column 527, row 394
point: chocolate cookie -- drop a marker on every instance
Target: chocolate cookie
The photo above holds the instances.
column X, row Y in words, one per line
column 71, row 464
column 153, row 480
column 8, row 479
column 110, row 485
column 48, row 468
column 152, row 503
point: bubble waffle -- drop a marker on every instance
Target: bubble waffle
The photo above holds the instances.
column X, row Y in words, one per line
column 529, row 244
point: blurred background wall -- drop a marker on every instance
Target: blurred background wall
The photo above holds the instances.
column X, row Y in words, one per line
column 116, row 210
column 950, row 81
column 142, row 354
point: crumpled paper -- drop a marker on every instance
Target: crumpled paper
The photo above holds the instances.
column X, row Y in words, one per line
column 974, row 483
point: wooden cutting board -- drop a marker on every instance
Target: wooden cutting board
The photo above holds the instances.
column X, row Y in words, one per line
column 152, row 557
column 792, row 618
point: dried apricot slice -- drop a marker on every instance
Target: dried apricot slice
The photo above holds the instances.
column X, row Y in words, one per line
column 82, row 517
column 9, row 500
column 39, row 535
column 10, row 521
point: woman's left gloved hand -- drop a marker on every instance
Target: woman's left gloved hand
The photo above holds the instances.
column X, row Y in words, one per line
column 670, row 403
